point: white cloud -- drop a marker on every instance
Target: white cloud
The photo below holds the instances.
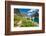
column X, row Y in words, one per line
column 30, row 10
column 29, row 14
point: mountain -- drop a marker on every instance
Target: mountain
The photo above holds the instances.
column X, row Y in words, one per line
column 27, row 12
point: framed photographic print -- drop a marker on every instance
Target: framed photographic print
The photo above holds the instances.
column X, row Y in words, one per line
column 24, row 17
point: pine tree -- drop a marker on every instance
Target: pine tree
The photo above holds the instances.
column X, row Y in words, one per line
column 16, row 11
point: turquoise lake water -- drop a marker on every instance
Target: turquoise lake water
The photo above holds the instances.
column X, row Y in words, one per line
column 36, row 20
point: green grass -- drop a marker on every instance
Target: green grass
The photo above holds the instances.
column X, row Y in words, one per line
column 26, row 22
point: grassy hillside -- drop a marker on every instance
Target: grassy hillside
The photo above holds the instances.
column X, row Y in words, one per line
column 24, row 22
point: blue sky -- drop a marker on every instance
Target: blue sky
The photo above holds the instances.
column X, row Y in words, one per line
column 22, row 10
column 28, row 11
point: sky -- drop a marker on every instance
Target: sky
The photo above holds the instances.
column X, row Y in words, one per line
column 25, row 11
column 28, row 11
